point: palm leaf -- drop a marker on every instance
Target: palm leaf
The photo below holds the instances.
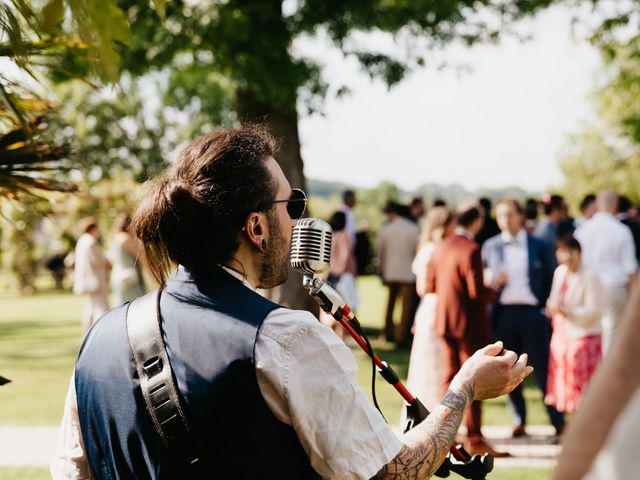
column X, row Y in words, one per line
column 29, row 163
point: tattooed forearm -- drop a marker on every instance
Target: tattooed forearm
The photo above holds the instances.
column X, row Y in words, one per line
column 427, row 444
column 381, row 474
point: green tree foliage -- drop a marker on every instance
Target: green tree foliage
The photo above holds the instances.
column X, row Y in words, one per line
column 606, row 153
column 112, row 134
column 31, row 40
column 21, row 253
column 32, row 161
column 619, row 99
column 597, row 159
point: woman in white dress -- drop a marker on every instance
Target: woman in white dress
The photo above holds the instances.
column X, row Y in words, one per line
column 125, row 253
column 425, row 363
column 91, row 273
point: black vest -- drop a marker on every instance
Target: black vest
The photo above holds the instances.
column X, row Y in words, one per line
column 210, row 329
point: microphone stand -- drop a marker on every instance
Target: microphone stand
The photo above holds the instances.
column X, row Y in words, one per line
column 458, row 460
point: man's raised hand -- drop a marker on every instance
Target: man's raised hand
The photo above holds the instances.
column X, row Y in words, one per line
column 492, row 371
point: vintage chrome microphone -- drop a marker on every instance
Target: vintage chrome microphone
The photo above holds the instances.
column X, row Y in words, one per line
column 311, row 247
column 311, row 256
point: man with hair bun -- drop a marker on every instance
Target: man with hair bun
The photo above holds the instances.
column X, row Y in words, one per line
column 269, row 392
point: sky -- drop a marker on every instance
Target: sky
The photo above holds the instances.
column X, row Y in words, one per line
column 499, row 124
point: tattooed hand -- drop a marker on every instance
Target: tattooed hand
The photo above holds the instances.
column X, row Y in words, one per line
column 489, row 372
column 426, row 445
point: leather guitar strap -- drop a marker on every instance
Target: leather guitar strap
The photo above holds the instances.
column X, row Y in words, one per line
column 159, row 388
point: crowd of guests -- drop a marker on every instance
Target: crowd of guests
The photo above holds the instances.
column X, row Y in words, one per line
column 553, row 287
column 97, row 274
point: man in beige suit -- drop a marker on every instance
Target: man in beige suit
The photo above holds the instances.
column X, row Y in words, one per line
column 91, row 273
column 397, row 245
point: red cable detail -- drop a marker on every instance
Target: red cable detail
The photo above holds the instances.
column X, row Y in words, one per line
column 343, row 313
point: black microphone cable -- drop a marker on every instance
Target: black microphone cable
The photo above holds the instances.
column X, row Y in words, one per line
column 358, row 328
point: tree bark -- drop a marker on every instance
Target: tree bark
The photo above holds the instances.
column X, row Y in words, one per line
column 284, row 127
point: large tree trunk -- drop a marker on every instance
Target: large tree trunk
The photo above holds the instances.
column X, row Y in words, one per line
column 284, row 127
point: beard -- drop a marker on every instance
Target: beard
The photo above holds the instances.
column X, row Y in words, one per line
column 274, row 267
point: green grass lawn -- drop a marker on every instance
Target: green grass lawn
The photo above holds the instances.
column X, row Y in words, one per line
column 24, row 473
column 39, row 339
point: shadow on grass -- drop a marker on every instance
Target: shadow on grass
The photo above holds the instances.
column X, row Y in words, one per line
column 36, row 328
column 31, row 342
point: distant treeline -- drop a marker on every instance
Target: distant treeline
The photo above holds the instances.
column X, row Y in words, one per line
column 452, row 194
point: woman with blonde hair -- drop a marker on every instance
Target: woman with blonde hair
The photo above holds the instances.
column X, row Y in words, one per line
column 425, row 369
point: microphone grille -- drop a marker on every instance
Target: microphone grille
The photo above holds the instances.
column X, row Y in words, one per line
column 311, row 246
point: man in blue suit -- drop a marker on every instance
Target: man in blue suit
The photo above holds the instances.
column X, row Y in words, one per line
column 521, row 269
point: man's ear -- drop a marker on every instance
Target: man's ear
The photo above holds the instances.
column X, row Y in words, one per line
column 255, row 230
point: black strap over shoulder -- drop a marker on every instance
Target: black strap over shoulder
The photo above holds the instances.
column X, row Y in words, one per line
column 159, row 387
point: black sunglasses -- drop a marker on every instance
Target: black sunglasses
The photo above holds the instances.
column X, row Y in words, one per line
column 296, row 203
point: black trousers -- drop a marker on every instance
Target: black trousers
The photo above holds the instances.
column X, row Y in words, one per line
column 525, row 329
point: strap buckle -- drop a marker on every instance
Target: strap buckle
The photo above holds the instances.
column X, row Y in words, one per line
column 152, row 367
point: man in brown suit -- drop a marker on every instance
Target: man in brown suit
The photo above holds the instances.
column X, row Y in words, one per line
column 455, row 275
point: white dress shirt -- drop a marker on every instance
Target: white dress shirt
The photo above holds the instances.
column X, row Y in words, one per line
column 517, row 290
column 350, row 225
column 306, row 375
column 463, row 232
column 608, row 249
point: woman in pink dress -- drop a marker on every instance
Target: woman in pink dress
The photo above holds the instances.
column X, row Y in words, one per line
column 342, row 270
column 575, row 304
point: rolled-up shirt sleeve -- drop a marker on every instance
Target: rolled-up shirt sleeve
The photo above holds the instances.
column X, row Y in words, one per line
column 307, row 377
column 70, row 460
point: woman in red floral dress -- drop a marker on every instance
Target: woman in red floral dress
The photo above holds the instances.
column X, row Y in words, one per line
column 575, row 304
